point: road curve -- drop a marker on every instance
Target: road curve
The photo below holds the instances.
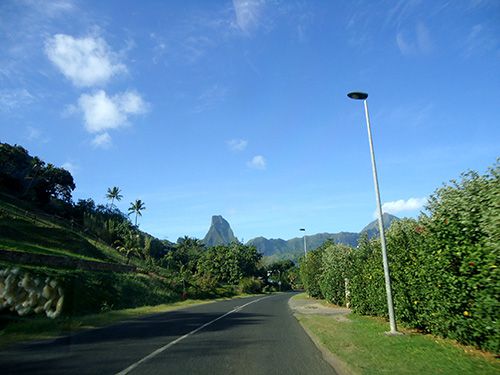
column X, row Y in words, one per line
column 255, row 335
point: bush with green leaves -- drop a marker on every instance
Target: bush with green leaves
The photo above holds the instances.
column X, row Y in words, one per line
column 310, row 271
column 463, row 240
column 250, row 285
column 444, row 266
column 366, row 279
column 230, row 263
column 282, row 274
column 411, row 273
column 333, row 272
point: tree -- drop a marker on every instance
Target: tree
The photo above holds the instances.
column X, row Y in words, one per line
column 114, row 193
column 15, row 165
column 136, row 207
column 58, row 182
column 30, row 178
column 129, row 245
column 230, row 263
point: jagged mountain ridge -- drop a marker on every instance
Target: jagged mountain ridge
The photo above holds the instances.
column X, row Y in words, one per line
column 279, row 246
column 220, row 232
column 372, row 228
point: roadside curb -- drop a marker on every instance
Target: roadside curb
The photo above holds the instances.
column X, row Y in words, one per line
column 339, row 366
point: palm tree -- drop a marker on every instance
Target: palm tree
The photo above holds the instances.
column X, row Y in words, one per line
column 114, row 193
column 136, row 207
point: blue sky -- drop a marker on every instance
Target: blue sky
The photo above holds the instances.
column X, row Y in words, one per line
column 239, row 108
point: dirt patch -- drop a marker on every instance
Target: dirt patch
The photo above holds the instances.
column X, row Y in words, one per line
column 308, row 306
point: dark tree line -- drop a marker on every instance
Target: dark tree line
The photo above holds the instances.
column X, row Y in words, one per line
column 30, row 178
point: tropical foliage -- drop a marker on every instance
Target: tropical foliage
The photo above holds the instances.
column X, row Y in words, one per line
column 136, row 208
column 30, row 178
column 114, row 193
column 444, row 266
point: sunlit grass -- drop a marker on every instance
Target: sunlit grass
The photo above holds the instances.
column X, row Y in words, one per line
column 362, row 344
column 20, row 232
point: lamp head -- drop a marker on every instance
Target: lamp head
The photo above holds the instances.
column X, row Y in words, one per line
column 357, row 95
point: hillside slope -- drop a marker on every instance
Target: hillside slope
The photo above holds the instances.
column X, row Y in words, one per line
column 28, row 230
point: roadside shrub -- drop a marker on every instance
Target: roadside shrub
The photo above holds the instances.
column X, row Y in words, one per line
column 86, row 292
column 366, row 279
column 310, row 270
column 334, row 272
column 250, row 285
column 411, row 272
column 463, row 232
column 444, row 266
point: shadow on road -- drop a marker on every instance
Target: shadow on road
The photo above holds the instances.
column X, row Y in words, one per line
column 108, row 348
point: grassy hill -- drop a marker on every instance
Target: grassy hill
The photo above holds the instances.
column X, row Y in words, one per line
column 23, row 228
column 26, row 230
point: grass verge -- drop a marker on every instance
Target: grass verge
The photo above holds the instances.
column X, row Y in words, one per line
column 362, row 345
column 39, row 328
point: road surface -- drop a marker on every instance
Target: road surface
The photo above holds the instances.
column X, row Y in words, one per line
column 255, row 335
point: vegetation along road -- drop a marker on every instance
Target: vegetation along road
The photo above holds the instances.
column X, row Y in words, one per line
column 255, row 335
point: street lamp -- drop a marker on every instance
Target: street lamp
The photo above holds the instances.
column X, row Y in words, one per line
column 392, row 321
column 305, row 246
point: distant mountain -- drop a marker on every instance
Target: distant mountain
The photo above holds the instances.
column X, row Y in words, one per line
column 272, row 246
column 278, row 247
column 372, row 228
column 268, row 247
column 220, row 233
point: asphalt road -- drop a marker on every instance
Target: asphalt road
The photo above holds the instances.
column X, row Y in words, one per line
column 256, row 335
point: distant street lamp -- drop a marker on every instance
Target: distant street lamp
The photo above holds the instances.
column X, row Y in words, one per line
column 305, row 245
column 392, row 321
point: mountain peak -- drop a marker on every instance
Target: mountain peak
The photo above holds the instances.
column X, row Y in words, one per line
column 220, row 232
column 372, row 228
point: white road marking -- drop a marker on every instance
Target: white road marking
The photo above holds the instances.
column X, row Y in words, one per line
column 179, row 339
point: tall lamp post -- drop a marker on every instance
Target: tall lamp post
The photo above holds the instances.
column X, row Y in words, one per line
column 305, row 246
column 392, row 321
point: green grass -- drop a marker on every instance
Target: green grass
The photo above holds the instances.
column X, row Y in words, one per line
column 38, row 328
column 363, row 346
column 20, row 232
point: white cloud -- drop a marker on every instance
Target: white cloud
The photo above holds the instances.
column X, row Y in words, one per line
column 33, row 134
column 102, row 112
column 210, row 98
column 86, row 61
column 11, row 99
column 257, row 162
column 480, row 40
column 424, row 41
column 403, row 45
column 411, row 204
column 248, row 13
column 51, row 8
column 421, row 45
column 70, row 167
column 237, row 144
column 102, row 140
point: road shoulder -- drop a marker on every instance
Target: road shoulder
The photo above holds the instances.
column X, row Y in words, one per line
column 303, row 305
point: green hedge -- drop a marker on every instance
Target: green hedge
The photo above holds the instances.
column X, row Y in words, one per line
column 310, row 267
column 444, row 266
